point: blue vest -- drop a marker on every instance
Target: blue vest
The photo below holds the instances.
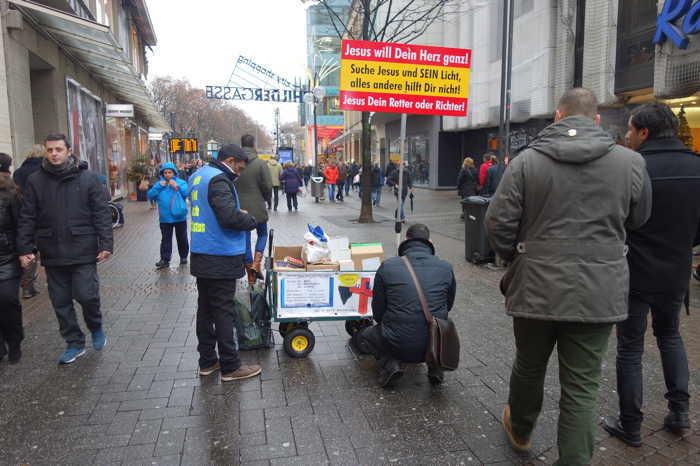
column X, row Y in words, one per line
column 207, row 235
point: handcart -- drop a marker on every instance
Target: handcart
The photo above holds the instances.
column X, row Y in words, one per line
column 297, row 298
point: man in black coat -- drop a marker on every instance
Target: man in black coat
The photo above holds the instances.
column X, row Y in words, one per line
column 494, row 174
column 65, row 213
column 401, row 332
column 660, row 260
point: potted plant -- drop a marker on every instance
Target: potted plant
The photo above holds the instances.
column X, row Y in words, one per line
column 137, row 174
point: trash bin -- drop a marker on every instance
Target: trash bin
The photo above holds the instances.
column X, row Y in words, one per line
column 476, row 245
column 317, row 186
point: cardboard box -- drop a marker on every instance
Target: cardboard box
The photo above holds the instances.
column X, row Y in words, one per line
column 327, row 266
column 340, row 249
column 280, row 252
column 367, row 256
column 346, row 266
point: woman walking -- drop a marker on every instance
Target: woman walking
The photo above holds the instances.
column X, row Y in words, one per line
column 11, row 330
column 468, row 180
column 292, row 182
column 171, row 193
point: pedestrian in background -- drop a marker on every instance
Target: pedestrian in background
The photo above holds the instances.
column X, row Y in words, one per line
column 494, row 174
column 377, row 184
column 407, row 185
column 486, row 162
column 254, row 188
column 660, row 258
column 171, row 193
column 11, row 330
column 292, row 183
column 559, row 217
column 342, row 177
column 218, row 260
column 275, row 171
column 152, row 177
column 30, row 165
column 330, row 173
column 348, row 179
column 307, row 175
column 65, row 209
column 468, row 179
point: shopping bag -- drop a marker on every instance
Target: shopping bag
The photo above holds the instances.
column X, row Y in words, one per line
column 302, row 192
column 178, row 206
column 253, row 325
column 143, row 185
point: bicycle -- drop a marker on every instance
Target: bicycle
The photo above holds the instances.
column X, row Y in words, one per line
column 117, row 215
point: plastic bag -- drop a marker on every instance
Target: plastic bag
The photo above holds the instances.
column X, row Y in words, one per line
column 178, row 206
column 316, row 245
column 253, row 326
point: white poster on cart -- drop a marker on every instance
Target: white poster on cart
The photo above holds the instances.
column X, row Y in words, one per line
column 315, row 295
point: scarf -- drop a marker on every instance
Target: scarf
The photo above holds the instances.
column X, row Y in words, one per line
column 70, row 166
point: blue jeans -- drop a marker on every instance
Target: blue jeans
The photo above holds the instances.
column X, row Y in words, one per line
column 377, row 194
column 348, row 184
column 331, row 192
column 260, row 243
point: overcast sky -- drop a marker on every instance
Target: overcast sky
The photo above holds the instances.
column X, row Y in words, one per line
column 201, row 41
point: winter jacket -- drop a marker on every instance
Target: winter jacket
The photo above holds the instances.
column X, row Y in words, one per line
column 221, row 196
column 494, row 175
column 275, row 171
column 393, row 181
column 29, row 166
column 166, row 195
column 377, row 177
column 254, row 186
column 483, row 171
column 660, row 254
column 467, row 182
column 395, row 303
column 560, row 217
column 66, row 211
column 342, row 174
column 291, row 179
column 330, row 173
column 9, row 216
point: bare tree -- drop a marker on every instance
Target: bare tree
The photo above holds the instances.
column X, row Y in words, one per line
column 400, row 21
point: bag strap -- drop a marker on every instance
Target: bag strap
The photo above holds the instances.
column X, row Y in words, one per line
column 419, row 290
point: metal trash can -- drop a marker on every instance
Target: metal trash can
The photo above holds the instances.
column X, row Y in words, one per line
column 317, row 186
column 476, row 244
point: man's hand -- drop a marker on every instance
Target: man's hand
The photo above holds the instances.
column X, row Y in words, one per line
column 172, row 183
column 103, row 256
column 163, row 183
column 26, row 260
column 243, row 211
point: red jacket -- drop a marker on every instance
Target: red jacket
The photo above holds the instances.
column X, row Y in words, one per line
column 331, row 174
column 482, row 172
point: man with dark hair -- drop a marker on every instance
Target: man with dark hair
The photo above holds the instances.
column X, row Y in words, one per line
column 560, row 217
column 65, row 216
column 217, row 260
column 254, row 188
column 401, row 332
column 660, row 259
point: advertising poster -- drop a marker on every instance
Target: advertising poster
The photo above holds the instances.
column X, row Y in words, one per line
column 324, row 294
column 404, row 78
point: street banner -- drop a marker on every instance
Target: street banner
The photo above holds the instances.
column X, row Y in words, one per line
column 404, row 78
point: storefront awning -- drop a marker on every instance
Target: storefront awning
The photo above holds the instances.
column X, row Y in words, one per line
column 344, row 136
column 94, row 47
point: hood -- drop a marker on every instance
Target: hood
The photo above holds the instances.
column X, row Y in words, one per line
column 32, row 161
column 251, row 153
column 416, row 244
column 273, row 162
column 575, row 140
column 169, row 165
column 6, row 182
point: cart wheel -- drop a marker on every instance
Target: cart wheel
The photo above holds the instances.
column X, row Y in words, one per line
column 354, row 326
column 299, row 342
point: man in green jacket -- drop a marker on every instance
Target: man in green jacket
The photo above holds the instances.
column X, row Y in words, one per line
column 275, row 171
column 254, row 190
column 560, row 216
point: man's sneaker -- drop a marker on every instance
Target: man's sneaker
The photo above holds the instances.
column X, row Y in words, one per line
column 162, row 265
column 29, row 293
column 243, row 372
column 675, row 421
column 70, row 355
column 183, row 261
column 209, row 370
column 516, row 442
column 613, row 426
column 99, row 340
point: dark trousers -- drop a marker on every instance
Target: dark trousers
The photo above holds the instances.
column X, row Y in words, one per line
column 370, row 340
column 665, row 313
column 216, row 324
column 11, row 330
column 348, row 183
column 79, row 282
column 275, row 197
column 292, row 199
column 166, row 241
column 581, row 348
column 341, row 186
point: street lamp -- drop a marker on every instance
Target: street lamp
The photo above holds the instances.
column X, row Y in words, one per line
column 312, row 98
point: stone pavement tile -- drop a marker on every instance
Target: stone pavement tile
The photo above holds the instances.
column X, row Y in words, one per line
column 146, row 432
column 144, row 404
column 170, row 442
column 97, row 440
column 316, row 459
column 171, row 460
column 123, row 423
column 267, row 452
column 181, row 396
column 163, row 412
column 252, row 421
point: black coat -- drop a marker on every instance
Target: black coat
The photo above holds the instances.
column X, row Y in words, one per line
column 221, row 196
column 494, row 174
column 29, row 166
column 660, row 254
column 395, row 303
column 67, row 214
column 9, row 213
column 393, row 181
column 467, row 182
column 291, row 179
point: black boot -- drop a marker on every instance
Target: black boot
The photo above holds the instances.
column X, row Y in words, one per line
column 389, row 373
column 676, row 421
column 436, row 375
column 15, row 354
column 613, row 426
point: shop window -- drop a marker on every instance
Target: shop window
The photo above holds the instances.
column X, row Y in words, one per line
column 635, row 52
column 86, row 126
column 417, row 157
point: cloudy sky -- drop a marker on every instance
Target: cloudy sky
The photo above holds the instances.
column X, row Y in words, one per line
column 201, row 41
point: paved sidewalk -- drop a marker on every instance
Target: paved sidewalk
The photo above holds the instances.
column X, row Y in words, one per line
column 140, row 401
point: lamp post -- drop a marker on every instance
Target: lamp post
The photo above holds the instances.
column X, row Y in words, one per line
column 312, row 98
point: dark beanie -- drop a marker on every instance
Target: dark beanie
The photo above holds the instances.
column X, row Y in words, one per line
column 232, row 150
column 5, row 162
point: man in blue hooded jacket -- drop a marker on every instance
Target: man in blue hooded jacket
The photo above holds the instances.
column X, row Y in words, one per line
column 171, row 193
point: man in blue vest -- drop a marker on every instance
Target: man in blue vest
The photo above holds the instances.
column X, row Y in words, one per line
column 218, row 260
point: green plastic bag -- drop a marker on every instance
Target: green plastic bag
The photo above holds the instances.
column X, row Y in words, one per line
column 253, row 326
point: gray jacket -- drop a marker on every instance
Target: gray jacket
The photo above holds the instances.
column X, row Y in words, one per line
column 254, row 186
column 560, row 216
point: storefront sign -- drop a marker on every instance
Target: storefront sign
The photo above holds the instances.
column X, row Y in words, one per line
column 666, row 27
column 187, row 145
column 120, row 111
column 155, row 136
column 402, row 78
column 254, row 94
